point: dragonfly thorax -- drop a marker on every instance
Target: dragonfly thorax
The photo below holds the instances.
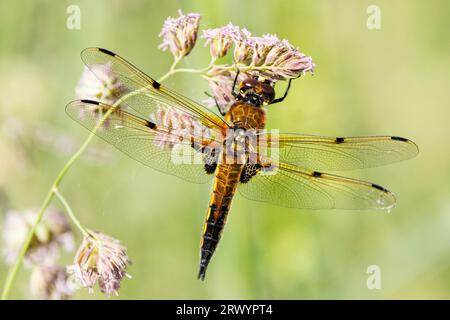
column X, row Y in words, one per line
column 246, row 116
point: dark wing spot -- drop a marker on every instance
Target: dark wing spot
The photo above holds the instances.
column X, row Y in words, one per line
column 107, row 52
column 156, row 84
column 379, row 187
column 90, row 101
column 210, row 158
column 150, row 125
column 316, row 174
column 210, row 168
column 399, row 139
column 339, row 140
column 250, row 170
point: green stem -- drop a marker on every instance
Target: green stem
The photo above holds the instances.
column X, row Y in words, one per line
column 12, row 273
column 15, row 268
column 70, row 212
column 173, row 69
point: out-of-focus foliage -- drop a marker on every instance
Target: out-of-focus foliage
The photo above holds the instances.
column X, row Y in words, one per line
column 367, row 82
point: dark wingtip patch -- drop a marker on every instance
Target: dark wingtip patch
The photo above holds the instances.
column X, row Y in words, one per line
column 399, row 139
column 107, row 52
column 90, row 101
column 316, row 174
column 339, row 140
column 150, row 125
column 376, row 186
column 156, row 84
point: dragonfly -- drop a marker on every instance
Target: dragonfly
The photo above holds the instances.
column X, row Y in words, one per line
column 173, row 134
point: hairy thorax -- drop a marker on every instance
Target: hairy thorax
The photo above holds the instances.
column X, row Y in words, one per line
column 246, row 116
column 245, row 119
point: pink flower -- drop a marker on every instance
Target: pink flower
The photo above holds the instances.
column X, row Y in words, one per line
column 180, row 34
column 52, row 234
column 98, row 83
column 50, row 282
column 100, row 259
column 221, row 39
column 178, row 126
column 244, row 46
column 103, row 86
column 276, row 59
column 221, row 85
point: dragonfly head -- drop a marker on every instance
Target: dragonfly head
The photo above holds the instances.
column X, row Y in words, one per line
column 257, row 91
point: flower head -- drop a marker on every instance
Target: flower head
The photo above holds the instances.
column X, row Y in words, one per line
column 266, row 56
column 99, row 83
column 262, row 46
column 178, row 126
column 50, row 282
column 52, row 233
column 271, row 57
column 180, row 34
column 100, row 259
column 220, row 82
column 244, row 45
column 221, row 39
column 282, row 60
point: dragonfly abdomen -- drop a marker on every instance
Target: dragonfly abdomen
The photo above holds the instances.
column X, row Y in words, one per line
column 225, row 183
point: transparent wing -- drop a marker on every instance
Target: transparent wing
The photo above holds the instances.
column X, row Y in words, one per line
column 344, row 153
column 169, row 150
column 132, row 79
column 289, row 186
column 165, row 115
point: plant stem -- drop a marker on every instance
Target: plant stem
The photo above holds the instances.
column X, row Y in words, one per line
column 173, row 69
column 12, row 273
column 70, row 212
column 15, row 268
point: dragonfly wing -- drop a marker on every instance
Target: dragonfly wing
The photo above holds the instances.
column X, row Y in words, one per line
column 342, row 153
column 164, row 149
column 290, row 186
column 163, row 113
column 132, row 79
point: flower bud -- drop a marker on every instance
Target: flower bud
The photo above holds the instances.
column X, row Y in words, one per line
column 180, row 34
column 221, row 39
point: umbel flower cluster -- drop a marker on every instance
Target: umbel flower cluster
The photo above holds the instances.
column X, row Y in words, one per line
column 266, row 56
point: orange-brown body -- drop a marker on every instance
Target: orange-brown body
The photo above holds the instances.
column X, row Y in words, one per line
column 227, row 176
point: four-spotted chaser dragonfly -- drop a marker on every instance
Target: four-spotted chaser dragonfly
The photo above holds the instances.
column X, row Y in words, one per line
column 150, row 122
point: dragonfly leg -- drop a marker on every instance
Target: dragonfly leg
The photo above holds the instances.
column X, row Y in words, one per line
column 233, row 92
column 221, row 111
column 285, row 94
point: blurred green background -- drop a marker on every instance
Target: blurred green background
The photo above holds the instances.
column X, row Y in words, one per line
column 393, row 81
